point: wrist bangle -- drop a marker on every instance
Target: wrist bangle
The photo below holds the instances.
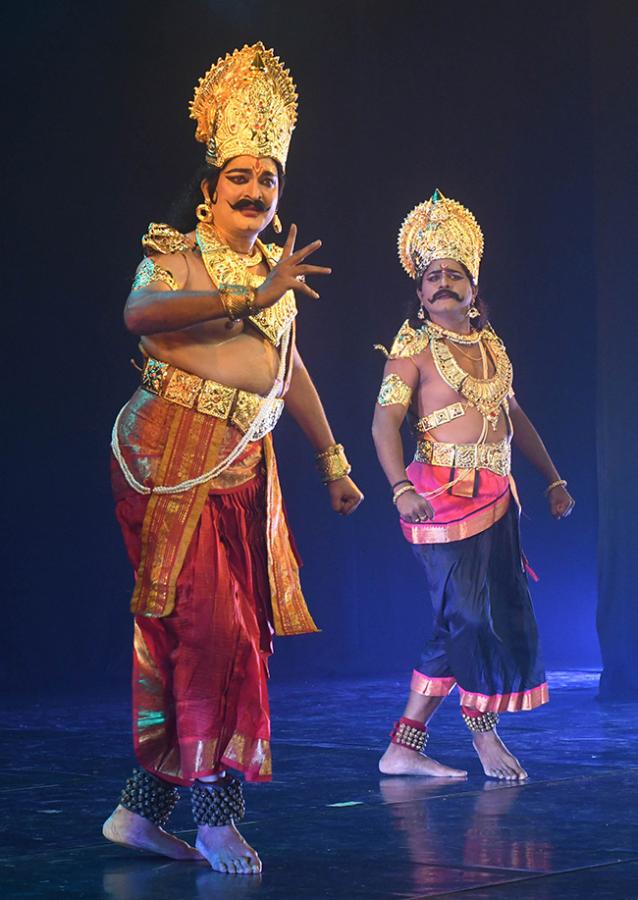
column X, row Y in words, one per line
column 403, row 490
column 238, row 300
column 332, row 463
column 560, row 482
column 397, row 483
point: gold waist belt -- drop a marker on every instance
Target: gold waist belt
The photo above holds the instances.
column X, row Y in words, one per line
column 441, row 416
column 495, row 457
column 209, row 397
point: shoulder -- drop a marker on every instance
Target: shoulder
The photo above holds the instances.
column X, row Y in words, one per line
column 165, row 240
column 408, row 342
column 161, row 271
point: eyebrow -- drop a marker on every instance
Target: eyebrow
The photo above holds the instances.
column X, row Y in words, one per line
column 250, row 171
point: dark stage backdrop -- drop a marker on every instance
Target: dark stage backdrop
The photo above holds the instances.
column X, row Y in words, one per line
column 490, row 101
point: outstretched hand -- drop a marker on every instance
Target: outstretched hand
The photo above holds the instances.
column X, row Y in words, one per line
column 290, row 273
column 345, row 496
column 561, row 503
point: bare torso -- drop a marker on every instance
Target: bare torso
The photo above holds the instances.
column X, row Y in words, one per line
column 235, row 354
column 433, row 393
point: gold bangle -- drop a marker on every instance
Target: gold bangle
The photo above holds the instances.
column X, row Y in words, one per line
column 332, row 463
column 560, row 482
column 403, row 490
column 238, row 300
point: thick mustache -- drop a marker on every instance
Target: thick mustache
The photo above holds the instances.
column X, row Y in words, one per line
column 246, row 203
column 444, row 292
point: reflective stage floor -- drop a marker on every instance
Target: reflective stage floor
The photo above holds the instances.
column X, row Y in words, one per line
column 329, row 825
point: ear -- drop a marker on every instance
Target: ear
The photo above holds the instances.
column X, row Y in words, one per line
column 475, row 288
column 418, row 288
column 205, row 190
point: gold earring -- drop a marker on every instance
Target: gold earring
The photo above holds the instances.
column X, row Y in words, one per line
column 276, row 225
column 421, row 313
column 204, row 212
column 473, row 312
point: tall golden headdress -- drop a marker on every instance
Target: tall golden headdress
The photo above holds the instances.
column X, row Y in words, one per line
column 246, row 104
column 440, row 229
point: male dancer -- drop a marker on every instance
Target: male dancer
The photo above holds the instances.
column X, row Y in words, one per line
column 195, row 478
column 457, row 501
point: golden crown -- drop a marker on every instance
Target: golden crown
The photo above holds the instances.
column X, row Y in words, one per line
column 440, row 229
column 246, row 104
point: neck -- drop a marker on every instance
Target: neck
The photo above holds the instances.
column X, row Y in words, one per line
column 240, row 242
column 453, row 322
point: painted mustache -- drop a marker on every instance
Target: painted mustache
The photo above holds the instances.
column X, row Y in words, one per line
column 444, row 292
column 247, row 203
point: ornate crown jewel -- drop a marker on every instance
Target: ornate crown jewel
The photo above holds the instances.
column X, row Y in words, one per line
column 246, row 104
column 440, row 229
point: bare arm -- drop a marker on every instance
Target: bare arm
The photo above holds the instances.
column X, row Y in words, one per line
column 529, row 442
column 386, row 434
column 305, row 407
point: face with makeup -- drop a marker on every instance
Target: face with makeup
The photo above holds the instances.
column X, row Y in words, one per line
column 446, row 290
column 245, row 198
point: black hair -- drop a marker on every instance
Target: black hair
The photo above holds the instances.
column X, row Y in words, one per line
column 181, row 213
column 415, row 305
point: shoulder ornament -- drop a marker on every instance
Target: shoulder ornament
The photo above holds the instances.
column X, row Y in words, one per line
column 164, row 239
column 148, row 272
column 408, row 342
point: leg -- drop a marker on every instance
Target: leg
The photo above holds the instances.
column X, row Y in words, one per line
column 496, row 759
column 217, row 803
column 401, row 759
column 145, row 806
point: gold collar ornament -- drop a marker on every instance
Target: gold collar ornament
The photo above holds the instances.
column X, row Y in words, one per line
column 245, row 105
column 487, row 394
column 225, row 266
column 440, row 228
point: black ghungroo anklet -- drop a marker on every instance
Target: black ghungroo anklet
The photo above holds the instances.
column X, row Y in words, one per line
column 485, row 722
column 147, row 796
column 218, row 802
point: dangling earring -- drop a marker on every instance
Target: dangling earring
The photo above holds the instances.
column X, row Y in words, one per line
column 473, row 312
column 421, row 313
column 276, row 224
column 204, row 212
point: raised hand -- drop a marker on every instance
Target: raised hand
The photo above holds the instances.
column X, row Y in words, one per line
column 412, row 507
column 290, row 272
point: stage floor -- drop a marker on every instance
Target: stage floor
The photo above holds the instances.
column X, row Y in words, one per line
column 329, row 825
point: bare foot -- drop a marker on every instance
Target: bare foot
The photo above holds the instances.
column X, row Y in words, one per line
column 130, row 830
column 398, row 760
column 495, row 758
column 226, row 850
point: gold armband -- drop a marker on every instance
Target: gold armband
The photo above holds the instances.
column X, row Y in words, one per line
column 238, row 300
column 150, row 273
column 394, row 390
column 332, row 463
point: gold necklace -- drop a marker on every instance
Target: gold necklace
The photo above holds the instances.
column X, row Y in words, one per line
column 210, row 244
column 469, row 356
column 484, row 394
column 437, row 331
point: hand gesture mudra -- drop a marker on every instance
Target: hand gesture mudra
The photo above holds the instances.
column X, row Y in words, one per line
column 290, row 272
